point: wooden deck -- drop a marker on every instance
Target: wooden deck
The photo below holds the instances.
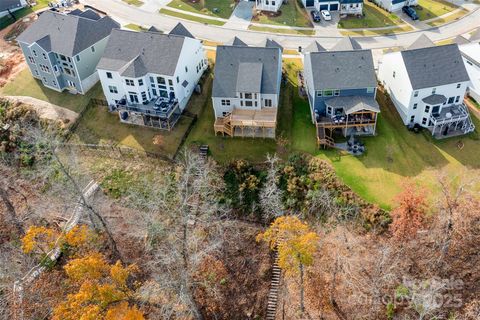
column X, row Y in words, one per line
column 248, row 123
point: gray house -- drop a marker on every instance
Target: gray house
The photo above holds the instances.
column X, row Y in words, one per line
column 341, row 88
column 63, row 50
column 246, row 89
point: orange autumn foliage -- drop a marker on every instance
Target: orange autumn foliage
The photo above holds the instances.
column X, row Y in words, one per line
column 123, row 311
column 408, row 217
column 39, row 238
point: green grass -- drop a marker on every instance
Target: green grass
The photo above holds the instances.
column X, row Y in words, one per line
column 454, row 16
column 7, row 20
column 367, row 32
column 136, row 3
column 292, row 14
column 433, row 8
column 309, row 32
column 24, row 84
column 206, row 7
column 191, row 18
column 135, row 27
column 375, row 17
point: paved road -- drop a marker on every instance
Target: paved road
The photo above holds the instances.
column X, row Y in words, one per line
column 130, row 14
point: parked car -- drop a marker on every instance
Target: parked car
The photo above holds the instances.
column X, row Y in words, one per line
column 409, row 11
column 326, row 15
column 315, row 16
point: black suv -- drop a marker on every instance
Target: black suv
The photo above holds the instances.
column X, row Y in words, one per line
column 409, row 11
column 315, row 16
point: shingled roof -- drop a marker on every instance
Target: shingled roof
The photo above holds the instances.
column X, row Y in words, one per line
column 146, row 52
column 315, row 46
column 180, row 30
column 434, row 66
column 422, row 42
column 246, row 69
column 236, row 41
column 342, row 69
column 67, row 34
column 9, row 5
column 346, row 44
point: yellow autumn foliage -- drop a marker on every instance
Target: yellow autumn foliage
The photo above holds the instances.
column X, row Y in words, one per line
column 123, row 311
column 91, row 267
column 39, row 238
column 78, row 236
column 295, row 242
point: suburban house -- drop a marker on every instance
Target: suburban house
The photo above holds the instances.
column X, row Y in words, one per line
column 246, row 90
column 395, row 5
column 427, row 87
column 470, row 51
column 63, row 50
column 341, row 88
column 342, row 6
column 10, row 6
column 148, row 77
column 268, row 5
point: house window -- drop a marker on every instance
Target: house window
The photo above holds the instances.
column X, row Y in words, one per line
column 328, row 93
column 170, row 82
column 459, row 85
column 186, row 69
column 370, row 90
column 412, row 118
column 62, row 57
column 140, row 82
column 44, row 56
column 34, row 53
column 55, row 68
column 144, row 96
column 434, row 90
column 31, row 60
column 129, row 82
column 69, row 60
column 112, row 89
column 109, row 75
column 268, row 103
column 178, row 79
column 248, row 96
column 319, row 93
column 133, row 97
column 393, row 74
column 44, row 80
column 450, row 100
column 36, row 72
column 424, row 121
column 469, row 62
column 225, row 102
column 415, row 94
column 154, row 92
column 329, row 110
column 457, row 99
column 415, row 105
column 336, row 93
column 44, row 68
column 77, row 58
column 160, row 80
column 54, row 83
column 427, row 109
column 248, row 103
column 93, row 49
column 163, row 93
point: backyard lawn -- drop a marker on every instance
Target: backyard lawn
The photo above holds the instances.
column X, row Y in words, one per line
column 8, row 20
column 429, row 9
column 215, row 8
column 374, row 17
column 452, row 17
column 305, row 32
column 26, row 85
column 292, row 14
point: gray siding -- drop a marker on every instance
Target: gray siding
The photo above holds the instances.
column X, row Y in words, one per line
column 319, row 103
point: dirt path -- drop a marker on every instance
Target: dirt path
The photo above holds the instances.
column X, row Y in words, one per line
column 47, row 110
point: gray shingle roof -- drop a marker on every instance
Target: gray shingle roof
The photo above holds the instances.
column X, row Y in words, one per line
column 9, row 4
column 90, row 14
column 346, row 44
column 180, row 30
column 435, row 99
column 342, row 69
column 422, row 42
column 354, row 103
column 315, row 46
column 154, row 29
column 229, row 73
column 434, row 66
column 249, row 77
column 236, row 41
column 136, row 53
column 68, row 34
column 270, row 43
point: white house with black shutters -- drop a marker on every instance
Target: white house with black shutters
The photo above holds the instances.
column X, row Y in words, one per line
column 148, row 77
column 427, row 87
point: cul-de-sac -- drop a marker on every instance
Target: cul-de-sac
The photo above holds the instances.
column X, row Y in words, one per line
column 239, row 159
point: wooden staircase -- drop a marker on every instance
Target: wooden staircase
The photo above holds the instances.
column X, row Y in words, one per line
column 322, row 139
column 274, row 287
column 224, row 125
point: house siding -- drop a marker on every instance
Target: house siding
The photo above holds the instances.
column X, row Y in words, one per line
column 319, row 102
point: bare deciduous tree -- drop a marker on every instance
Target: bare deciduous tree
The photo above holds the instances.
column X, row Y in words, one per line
column 271, row 195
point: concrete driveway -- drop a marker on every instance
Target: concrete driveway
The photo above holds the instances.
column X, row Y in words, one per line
column 241, row 16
